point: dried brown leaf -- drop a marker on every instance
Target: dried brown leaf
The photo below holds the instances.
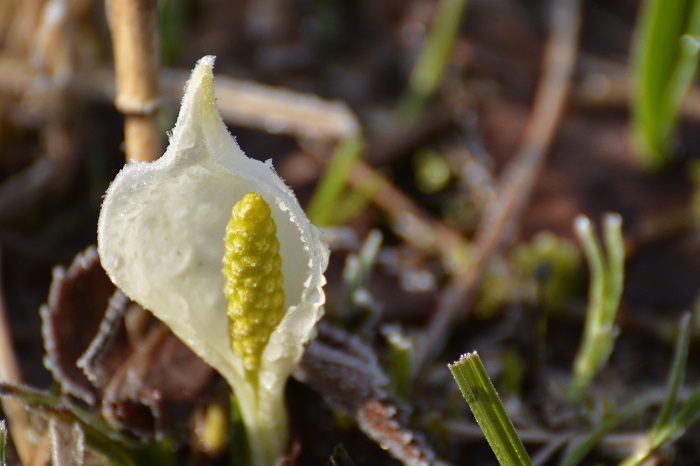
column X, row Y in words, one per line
column 77, row 300
column 110, row 347
column 342, row 368
column 157, row 381
column 106, row 350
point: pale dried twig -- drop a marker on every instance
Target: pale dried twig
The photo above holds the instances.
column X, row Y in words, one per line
column 133, row 27
column 243, row 103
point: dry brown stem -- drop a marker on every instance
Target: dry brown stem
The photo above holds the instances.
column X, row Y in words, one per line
column 133, row 28
column 515, row 186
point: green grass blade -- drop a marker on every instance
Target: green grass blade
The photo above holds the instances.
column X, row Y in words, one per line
column 3, row 442
column 477, row 389
column 677, row 374
column 675, row 379
column 582, row 448
column 356, row 310
column 663, row 67
column 321, row 209
column 677, row 426
column 402, row 359
column 427, row 72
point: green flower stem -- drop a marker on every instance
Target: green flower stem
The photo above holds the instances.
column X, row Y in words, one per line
column 264, row 417
column 267, row 431
column 477, row 389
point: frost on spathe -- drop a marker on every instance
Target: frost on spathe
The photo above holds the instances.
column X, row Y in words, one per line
column 161, row 230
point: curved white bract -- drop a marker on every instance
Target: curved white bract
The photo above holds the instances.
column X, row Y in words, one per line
column 161, row 240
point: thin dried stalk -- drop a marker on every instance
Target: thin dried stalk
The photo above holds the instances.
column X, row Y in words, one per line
column 17, row 421
column 243, row 103
column 133, row 27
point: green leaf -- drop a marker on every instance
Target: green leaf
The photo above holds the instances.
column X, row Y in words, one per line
column 477, row 389
column 661, row 431
column 664, row 62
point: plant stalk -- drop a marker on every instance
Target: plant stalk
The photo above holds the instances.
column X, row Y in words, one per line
column 133, row 26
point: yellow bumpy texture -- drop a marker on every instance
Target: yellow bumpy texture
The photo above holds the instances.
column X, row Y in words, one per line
column 252, row 269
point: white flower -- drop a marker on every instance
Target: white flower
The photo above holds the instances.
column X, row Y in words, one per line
column 161, row 240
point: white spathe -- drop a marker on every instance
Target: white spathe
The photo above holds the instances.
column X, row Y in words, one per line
column 161, row 240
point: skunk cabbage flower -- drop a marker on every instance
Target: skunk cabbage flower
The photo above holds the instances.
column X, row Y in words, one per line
column 161, row 240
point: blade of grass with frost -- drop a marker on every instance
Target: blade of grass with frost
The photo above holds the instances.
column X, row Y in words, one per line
column 324, row 202
column 663, row 65
column 164, row 229
column 675, row 380
column 356, row 274
column 358, row 267
column 480, row 394
column 605, row 291
column 402, row 349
